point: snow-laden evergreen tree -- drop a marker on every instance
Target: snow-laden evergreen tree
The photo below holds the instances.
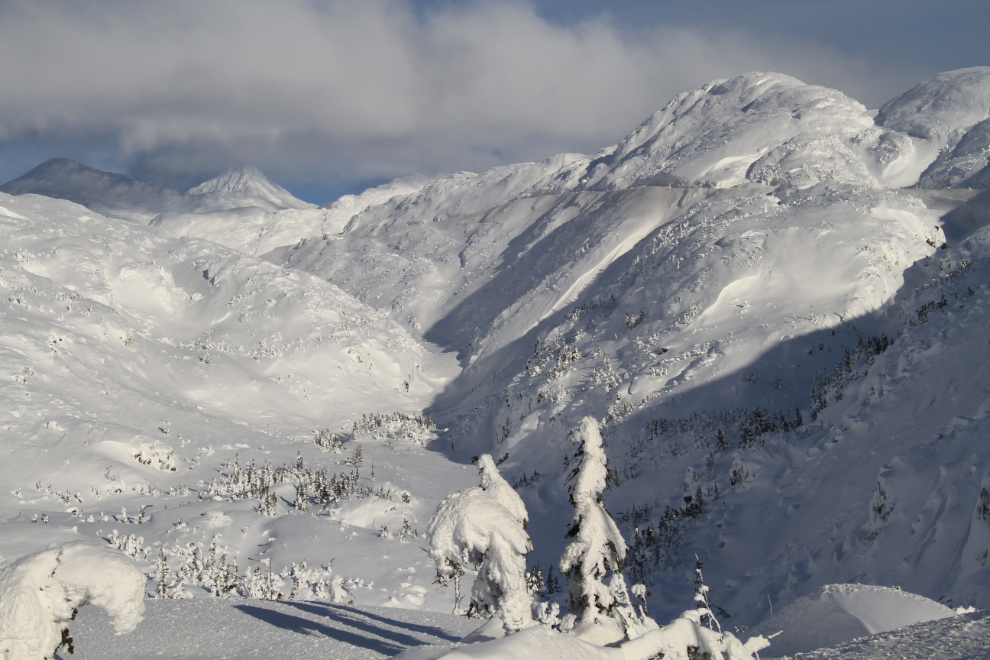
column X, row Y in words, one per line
column 598, row 548
column 473, row 528
column 500, row 490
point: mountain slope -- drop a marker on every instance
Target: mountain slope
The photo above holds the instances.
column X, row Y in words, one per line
column 656, row 309
column 103, row 192
column 138, row 366
column 761, row 127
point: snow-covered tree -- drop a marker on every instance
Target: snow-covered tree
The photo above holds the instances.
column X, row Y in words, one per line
column 598, row 547
column 39, row 594
column 500, row 490
column 473, row 528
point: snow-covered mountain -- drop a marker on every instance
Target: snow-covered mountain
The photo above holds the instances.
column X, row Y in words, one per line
column 120, row 196
column 772, row 301
column 247, row 186
column 104, row 192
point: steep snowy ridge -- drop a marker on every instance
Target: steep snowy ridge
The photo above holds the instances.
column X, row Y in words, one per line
column 347, row 206
column 761, row 127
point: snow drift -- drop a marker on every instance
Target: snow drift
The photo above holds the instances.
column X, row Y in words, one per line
column 39, row 594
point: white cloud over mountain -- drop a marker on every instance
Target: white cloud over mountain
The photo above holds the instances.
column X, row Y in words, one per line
column 358, row 90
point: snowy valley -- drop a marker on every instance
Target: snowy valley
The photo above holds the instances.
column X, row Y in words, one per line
column 771, row 300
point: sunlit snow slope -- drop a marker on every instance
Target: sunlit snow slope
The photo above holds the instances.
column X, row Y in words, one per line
column 772, row 301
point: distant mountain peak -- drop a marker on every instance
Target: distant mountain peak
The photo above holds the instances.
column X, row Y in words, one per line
column 249, row 182
column 57, row 170
column 108, row 193
column 235, row 179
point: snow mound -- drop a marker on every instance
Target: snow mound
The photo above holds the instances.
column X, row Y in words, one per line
column 760, row 127
column 248, row 185
column 840, row 612
column 536, row 642
column 672, row 641
column 947, row 116
column 961, row 637
column 39, row 594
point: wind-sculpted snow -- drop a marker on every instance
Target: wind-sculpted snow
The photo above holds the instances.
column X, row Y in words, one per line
column 946, row 116
column 761, row 127
column 39, row 595
column 841, row 612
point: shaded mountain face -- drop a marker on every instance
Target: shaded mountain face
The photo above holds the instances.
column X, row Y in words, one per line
column 104, row 192
column 117, row 195
column 783, row 345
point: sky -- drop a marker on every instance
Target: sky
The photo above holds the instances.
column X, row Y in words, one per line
column 328, row 97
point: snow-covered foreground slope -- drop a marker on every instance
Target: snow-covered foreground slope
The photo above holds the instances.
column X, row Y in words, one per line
column 241, row 629
column 785, row 353
column 233, row 630
column 137, row 364
column 838, row 613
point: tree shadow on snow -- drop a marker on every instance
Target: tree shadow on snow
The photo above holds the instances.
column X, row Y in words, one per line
column 374, row 641
column 329, row 610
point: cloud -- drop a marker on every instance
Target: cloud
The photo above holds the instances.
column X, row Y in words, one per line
column 355, row 89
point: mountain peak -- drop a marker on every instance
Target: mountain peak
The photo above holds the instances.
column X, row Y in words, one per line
column 252, row 185
column 57, row 172
column 108, row 193
column 234, row 180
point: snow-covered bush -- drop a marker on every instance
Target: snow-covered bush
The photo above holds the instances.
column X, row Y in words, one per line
column 258, row 481
column 396, row 428
column 474, row 528
column 39, row 594
column 328, row 441
column 157, row 456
